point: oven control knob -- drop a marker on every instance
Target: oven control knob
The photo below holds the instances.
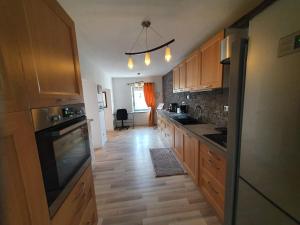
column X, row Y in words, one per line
column 55, row 118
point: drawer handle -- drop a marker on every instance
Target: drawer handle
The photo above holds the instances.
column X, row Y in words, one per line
column 212, row 188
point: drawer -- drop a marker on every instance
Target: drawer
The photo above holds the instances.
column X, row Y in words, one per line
column 214, row 163
column 90, row 216
column 214, row 193
column 76, row 202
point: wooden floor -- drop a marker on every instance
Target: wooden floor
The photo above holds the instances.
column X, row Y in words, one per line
column 127, row 192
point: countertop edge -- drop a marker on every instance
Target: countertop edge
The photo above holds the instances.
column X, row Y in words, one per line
column 201, row 138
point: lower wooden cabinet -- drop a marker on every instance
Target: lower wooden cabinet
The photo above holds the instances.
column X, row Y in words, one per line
column 212, row 170
column 90, row 216
column 191, row 156
column 22, row 196
column 178, row 143
column 81, row 198
column 206, row 166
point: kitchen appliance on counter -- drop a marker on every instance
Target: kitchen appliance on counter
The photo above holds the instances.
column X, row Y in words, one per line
column 183, row 107
column 63, row 145
column 173, row 107
column 263, row 130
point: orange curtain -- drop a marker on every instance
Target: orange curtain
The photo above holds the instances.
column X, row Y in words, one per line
column 149, row 94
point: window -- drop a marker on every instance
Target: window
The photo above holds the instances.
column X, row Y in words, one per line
column 138, row 99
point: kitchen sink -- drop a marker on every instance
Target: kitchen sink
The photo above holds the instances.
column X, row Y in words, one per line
column 220, row 139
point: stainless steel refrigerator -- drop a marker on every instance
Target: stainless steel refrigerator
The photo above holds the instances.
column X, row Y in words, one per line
column 266, row 138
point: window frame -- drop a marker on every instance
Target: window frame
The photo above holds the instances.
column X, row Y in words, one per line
column 133, row 101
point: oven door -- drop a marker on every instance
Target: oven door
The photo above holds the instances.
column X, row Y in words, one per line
column 63, row 149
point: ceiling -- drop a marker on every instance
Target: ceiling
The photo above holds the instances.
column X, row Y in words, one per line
column 110, row 27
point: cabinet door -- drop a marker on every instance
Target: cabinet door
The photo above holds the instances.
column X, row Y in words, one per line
column 211, row 68
column 182, row 76
column 176, row 77
column 178, row 143
column 56, row 76
column 12, row 77
column 191, row 155
column 22, row 196
column 192, row 71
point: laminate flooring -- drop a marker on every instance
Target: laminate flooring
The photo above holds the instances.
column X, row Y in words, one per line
column 128, row 193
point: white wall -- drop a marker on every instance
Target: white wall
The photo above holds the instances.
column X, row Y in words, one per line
column 122, row 95
column 91, row 108
column 91, row 72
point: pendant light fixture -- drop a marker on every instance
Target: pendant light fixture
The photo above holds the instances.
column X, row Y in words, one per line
column 168, row 55
column 147, row 59
column 130, row 63
column 147, row 25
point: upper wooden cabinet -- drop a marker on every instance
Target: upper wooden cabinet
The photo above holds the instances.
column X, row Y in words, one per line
column 193, row 71
column 211, row 68
column 176, row 79
column 55, row 76
column 13, row 33
column 182, row 76
column 179, row 77
column 21, row 182
column 202, row 70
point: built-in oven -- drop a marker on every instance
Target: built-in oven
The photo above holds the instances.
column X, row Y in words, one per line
column 63, row 146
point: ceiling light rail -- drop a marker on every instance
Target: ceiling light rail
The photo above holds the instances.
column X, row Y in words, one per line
column 146, row 25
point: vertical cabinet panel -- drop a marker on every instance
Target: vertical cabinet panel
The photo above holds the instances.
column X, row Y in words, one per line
column 22, row 193
column 12, row 76
column 191, row 156
column 192, row 71
column 211, row 68
column 182, row 76
column 178, row 143
column 56, row 76
column 176, row 79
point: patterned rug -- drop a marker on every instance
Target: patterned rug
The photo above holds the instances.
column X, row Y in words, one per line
column 165, row 163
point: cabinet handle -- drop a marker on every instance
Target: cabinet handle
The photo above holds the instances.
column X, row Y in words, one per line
column 58, row 100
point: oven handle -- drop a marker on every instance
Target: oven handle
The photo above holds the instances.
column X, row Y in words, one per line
column 68, row 129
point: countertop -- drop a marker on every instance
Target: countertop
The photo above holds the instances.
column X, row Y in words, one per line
column 197, row 130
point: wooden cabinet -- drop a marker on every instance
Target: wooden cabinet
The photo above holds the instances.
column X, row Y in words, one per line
column 13, row 33
column 21, row 183
column 202, row 70
column 55, row 75
column 191, row 156
column 193, row 71
column 212, row 172
column 81, row 198
column 176, row 79
column 169, row 133
column 182, row 76
column 211, row 68
column 179, row 78
column 178, row 143
column 90, row 216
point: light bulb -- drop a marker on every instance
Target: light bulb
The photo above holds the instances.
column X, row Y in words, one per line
column 168, row 55
column 130, row 63
column 147, row 59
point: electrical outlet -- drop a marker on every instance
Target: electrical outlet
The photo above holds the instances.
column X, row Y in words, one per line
column 187, row 96
column 226, row 108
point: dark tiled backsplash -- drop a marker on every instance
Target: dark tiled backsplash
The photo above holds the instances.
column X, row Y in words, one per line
column 207, row 106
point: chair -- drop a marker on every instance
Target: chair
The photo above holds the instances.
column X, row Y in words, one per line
column 122, row 115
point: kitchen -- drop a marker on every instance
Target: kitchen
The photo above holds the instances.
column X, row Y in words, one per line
column 228, row 131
